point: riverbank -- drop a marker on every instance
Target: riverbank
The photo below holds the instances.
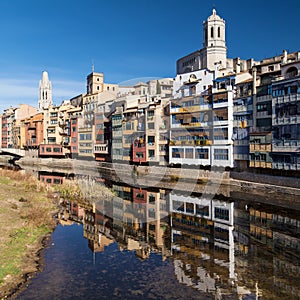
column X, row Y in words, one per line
column 27, row 210
column 26, row 218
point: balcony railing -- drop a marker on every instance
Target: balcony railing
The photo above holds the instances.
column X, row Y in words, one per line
column 286, row 99
column 286, row 120
column 260, row 164
column 101, row 148
column 286, row 166
column 260, row 147
column 286, row 145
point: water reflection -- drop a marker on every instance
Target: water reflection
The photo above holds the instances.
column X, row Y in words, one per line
column 223, row 248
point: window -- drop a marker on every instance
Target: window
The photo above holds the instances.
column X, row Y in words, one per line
column 151, row 153
column 219, row 32
column 151, row 140
column 291, row 72
column 202, row 210
column 151, row 125
column 177, row 152
column 212, row 32
column 221, row 213
column 178, row 205
column 202, row 153
column 150, row 113
column 56, row 149
column 139, row 155
column 73, row 129
column 189, row 153
column 190, row 208
column 151, row 198
column 221, row 154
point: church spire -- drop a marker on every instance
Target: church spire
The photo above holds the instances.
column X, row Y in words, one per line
column 45, row 92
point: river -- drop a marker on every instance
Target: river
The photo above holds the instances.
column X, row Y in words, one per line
column 150, row 243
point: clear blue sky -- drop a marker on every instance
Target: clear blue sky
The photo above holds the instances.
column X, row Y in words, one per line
column 126, row 39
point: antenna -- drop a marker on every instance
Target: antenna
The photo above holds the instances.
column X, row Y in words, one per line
column 93, row 67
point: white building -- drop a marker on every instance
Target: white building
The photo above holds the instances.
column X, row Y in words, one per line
column 201, row 112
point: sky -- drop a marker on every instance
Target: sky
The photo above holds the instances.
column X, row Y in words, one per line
column 126, row 40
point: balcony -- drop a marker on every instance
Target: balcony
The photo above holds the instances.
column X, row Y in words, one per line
column 190, row 142
column 263, row 114
column 240, row 156
column 260, row 164
column 286, row 146
column 264, row 98
column 194, row 124
column 190, row 109
column 101, row 148
column 286, row 120
column 286, row 166
column 260, row 147
column 286, row 99
column 117, row 145
column 116, row 123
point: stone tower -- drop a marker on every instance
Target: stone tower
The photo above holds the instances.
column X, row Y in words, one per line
column 214, row 45
column 45, row 87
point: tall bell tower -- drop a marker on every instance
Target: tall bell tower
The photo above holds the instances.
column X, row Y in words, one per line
column 214, row 43
column 45, row 95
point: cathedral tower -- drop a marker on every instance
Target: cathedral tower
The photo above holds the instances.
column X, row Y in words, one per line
column 214, row 44
column 45, row 96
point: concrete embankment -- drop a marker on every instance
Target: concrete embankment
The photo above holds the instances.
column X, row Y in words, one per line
column 242, row 185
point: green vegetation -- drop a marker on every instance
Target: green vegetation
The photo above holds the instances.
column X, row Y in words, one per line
column 26, row 210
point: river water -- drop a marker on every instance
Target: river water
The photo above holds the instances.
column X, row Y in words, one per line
column 160, row 244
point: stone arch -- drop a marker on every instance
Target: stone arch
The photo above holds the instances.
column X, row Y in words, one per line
column 291, row 72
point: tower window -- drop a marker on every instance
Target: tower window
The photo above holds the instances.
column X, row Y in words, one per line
column 219, row 32
column 212, row 32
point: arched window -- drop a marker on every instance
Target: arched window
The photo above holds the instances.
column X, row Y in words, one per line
column 291, row 72
column 219, row 32
column 212, row 32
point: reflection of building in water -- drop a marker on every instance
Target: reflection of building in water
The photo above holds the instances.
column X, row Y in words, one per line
column 203, row 244
column 278, row 232
column 218, row 246
column 201, row 225
column 141, row 216
column 70, row 213
column 51, row 177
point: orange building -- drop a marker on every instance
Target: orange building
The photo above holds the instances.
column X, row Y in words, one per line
column 32, row 132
